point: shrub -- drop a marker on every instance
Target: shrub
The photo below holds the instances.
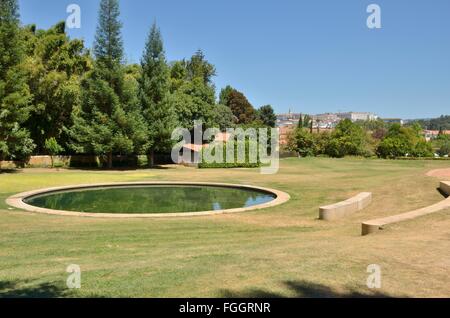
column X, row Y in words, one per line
column 235, row 164
column 422, row 149
column 348, row 139
column 404, row 141
column 444, row 149
column 392, row 147
column 303, row 143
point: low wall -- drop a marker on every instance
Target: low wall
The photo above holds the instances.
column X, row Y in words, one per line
column 46, row 161
column 344, row 208
column 85, row 161
column 376, row 225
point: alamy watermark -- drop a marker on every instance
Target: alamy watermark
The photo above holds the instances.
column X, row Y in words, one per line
column 74, row 279
column 73, row 21
column 374, row 19
column 259, row 146
column 374, row 278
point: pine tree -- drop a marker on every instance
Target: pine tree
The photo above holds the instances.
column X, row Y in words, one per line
column 154, row 93
column 14, row 91
column 108, row 46
column 109, row 120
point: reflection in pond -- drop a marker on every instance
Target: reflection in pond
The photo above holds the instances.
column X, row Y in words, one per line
column 151, row 199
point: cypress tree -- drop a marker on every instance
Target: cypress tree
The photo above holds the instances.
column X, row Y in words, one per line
column 154, row 94
column 14, row 91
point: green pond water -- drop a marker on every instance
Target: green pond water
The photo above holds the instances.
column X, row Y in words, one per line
column 150, row 199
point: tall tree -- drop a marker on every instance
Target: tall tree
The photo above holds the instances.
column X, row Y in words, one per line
column 55, row 65
column 267, row 115
column 199, row 67
column 15, row 96
column 193, row 93
column 154, row 94
column 241, row 107
column 109, row 120
column 108, row 45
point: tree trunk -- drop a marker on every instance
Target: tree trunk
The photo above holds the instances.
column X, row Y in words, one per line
column 151, row 159
column 110, row 159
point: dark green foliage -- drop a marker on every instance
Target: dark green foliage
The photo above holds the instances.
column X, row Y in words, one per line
column 154, row 94
column 199, row 67
column 348, row 139
column 404, row 141
column 241, row 107
column 109, row 120
column 15, row 96
column 303, row 142
column 307, row 144
column 267, row 116
column 235, row 164
column 223, row 117
column 108, row 46
column 55, row 65
column 224, row 94
column 193, row 94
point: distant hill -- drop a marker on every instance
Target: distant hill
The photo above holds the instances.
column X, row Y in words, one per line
column 439, row 123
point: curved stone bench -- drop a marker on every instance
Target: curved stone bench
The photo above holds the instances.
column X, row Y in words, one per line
column 344, row 208
column 373, row 226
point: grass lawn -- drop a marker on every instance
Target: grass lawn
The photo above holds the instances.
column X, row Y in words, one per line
column 281, row 251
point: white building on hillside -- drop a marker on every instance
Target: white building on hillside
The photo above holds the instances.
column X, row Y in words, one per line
column 356, row 116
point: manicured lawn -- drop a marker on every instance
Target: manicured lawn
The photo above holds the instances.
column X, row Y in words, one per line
column 282, row 251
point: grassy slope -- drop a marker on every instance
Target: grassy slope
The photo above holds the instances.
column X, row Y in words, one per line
column 282, row 251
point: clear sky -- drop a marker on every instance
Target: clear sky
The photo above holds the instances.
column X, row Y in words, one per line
column 309, row 56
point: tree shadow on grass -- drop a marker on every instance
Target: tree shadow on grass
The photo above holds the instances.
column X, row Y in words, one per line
column 9, row 171
column 19, row 289
column 24, row 289
column 303, row 289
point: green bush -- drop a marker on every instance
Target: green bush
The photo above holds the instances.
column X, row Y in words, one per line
column 304, row 143
column 404, row 141
column 444, row 149
column 422, row 149
column 235, row 164
column 348, row 139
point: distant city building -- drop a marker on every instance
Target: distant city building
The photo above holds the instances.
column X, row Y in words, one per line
column 357, row 116
column 323, row 121
column 289, row 119
column 393, row 121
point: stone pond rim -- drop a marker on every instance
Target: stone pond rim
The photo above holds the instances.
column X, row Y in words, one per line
column 17, row 201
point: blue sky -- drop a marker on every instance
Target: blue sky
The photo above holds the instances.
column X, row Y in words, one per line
column 308, row 56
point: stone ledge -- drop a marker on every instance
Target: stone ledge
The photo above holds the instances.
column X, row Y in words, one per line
column 373, row 226
column 344, row 208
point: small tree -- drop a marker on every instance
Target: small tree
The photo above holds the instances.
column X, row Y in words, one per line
column 303, row 142
column 348, row 139
column 53, row 148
